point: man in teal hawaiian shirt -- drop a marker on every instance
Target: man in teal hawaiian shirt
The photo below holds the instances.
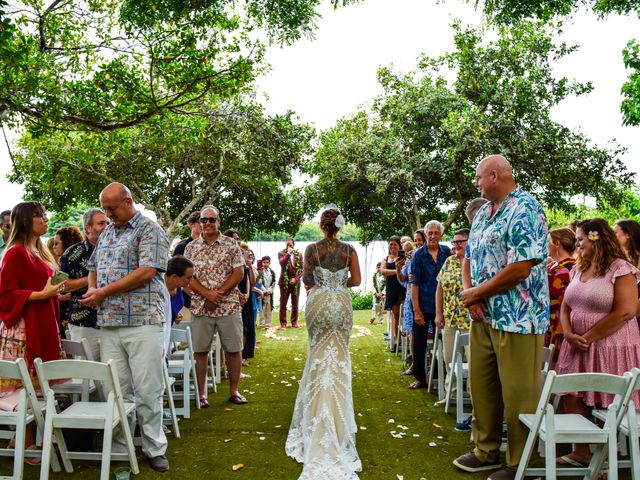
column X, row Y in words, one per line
column 509, row 305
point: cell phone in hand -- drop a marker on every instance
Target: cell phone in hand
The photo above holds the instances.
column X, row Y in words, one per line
column 59, row 277
column 259, row 264
column 401, row 254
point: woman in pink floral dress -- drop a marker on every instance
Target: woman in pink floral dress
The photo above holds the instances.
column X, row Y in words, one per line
column 596, row 315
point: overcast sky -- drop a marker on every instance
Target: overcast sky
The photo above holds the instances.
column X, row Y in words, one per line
column 331, row 76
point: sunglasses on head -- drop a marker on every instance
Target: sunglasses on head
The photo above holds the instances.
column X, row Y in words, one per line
column 205, row 220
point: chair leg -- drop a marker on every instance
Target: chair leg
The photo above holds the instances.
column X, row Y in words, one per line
column 613, row 452
column 219, row 357
column 449, row 388
column 172, row 406
column 186, row 392
column 105, row 468
column 21, row 430
column 47, row 445
column 194, row 376
column 441, row 371
column 64, row 452
column 459, row 392
column 526, row 455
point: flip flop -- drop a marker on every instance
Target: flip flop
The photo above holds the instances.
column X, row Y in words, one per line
column 238, row 399
column 417, row 384
column 204, row 403
column 35, row 461
column 567, row 460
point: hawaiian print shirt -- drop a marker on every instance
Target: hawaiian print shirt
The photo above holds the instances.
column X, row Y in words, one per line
column 140, row 242
column 450, row 279
column 74, row 262
column 213, row 265
column 516, row 232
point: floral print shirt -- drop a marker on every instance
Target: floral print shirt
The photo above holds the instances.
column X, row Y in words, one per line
column 450, row 279
column 213, row 265
column 140, row 242
column 517, row 231
column 74, row 262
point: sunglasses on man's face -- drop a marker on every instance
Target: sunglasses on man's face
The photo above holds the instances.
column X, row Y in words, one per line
column 205, row 220
column 458, row 242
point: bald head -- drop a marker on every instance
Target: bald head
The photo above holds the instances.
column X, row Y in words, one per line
column 494, row 178
column 117, row 203
column 116, row 190
column 496, row 163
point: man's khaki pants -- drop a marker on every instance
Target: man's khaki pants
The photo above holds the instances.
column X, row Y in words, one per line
column 505, row 380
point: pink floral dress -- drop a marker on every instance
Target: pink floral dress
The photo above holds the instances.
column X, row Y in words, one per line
column 590, row 302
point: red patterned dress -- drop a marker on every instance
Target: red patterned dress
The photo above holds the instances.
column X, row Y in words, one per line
column 559, row 277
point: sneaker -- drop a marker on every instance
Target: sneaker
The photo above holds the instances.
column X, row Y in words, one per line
column 464, row 426
column 159, row 463
column 470, row 463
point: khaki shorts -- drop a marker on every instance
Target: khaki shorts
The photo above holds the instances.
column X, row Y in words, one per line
column 229, row 329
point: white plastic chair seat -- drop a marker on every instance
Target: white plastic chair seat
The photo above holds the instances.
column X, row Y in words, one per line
column 568, row 424
column 73, row 386
column 89, row 415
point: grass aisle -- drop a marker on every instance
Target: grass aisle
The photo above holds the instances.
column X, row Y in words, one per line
column 215, row 439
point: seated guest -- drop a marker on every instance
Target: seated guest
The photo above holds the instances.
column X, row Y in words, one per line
column 83, row 319
column 562, row 245
column 598, row 320
column 28, row 301
column 178, row 277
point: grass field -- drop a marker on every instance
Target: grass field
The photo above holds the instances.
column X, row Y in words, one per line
column 215, row 439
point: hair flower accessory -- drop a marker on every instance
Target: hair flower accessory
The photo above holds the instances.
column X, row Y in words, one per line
column 594, row 236
column 340, row 221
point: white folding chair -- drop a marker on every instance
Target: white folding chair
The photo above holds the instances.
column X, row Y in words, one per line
column 554, row 428
column 183, row 363
column 168, row 384
column 77, row 388
column 104, row 416
column 20, row 409
column 628, row 428
column 213, row 372
column 437, row 361
column 460, row 370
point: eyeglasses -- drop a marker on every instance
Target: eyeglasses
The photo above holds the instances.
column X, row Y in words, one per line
column 458, row 242
column 42, row 215
column 205, row 220
column 113, row 209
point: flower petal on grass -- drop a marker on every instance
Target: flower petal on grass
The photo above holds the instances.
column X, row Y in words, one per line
column 237, row 466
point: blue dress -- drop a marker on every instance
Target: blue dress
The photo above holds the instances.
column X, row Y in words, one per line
column 407, row 323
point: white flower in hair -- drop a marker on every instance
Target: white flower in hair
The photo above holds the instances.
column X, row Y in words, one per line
column 340, row 221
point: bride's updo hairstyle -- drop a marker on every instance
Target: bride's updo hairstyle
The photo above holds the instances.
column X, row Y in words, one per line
column 328, row 221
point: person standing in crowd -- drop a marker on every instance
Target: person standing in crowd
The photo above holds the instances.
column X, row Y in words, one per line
column 425, row 266
column 6, row 230
column 509, row 306
column 562, row 245
column 28, row 301
column 215, row 304
column 598, row 320
column 404, row 273
column 82, row 319
column 628, row 233
column 268, row 278
column 64, row 238
column 379, row 282
column 290, row 261
column 248, row 314
column 231, row 233
column 451, row 314
column 126, row 285
column 394, row 293
column 193, row 222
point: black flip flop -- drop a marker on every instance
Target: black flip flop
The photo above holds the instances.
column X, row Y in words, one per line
column 238, row 399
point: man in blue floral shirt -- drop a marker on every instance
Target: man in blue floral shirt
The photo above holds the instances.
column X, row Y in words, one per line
column 127, row 285
column 509, row 305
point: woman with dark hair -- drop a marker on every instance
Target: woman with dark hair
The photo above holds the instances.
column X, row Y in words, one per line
column 561, row 246
column 419, row 238
column 323, row 428
column 628, row 233
column 28, row 301
column 63, row 239
column 394, row 292
column 596, row 315
column 177, row 277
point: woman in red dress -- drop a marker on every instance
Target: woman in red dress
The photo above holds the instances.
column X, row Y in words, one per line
column 29, row 306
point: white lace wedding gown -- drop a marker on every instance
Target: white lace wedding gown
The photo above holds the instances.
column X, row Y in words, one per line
column 323, row 428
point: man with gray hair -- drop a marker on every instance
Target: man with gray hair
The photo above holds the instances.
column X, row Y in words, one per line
column 82, row 319
column 425, row 266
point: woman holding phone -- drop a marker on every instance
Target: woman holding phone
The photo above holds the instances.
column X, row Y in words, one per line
column 29, row 305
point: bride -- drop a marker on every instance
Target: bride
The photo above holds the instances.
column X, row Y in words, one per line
column 323, row 428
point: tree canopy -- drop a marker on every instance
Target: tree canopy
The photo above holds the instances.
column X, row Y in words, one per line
column 411, row 156
column 235, row 157
column 509, row 12
column 109, row 64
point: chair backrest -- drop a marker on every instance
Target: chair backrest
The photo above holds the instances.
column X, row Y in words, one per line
column 18, row 370
column 547, row 357
column 85, row 369
column 182, row 335
column 460, row 341
column 78, row 348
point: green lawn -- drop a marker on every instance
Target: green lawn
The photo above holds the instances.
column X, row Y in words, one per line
column 215, row 439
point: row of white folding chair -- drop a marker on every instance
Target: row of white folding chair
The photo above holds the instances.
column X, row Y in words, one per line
column 458, row 370
column 104, row 415
column 551, row 427
column 182, row 362
column 437, row 361
column 77, row 388
column 20, row 410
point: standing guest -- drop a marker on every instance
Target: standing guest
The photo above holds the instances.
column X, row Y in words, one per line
column 215, row 304
column 50, row 244
column 248, row 314
column 562, row 245
column 82, row 319
column 394, row 293
column 268, row 278
column 257, row 290
column 509, row 307
column 28, row 300
column 425, row 266
column 379, row 282
column 597, row 312
column 628, row 233
column 451, row 314
column 6, row 230
column 64, row 238
column 404, row 273
column 178, row 277
column 290, row 261
column 126, row 285
column 193, row 222
column 231, row 233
